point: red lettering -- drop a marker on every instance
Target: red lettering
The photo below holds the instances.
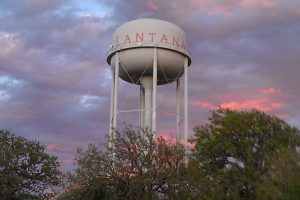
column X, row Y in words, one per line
column 176, row 41
column 139, row 37
column 183, row 45
column 127, row 39
column 164, row 38
column 152, row 35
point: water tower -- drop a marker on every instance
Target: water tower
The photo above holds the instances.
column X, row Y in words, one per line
column 149, row 52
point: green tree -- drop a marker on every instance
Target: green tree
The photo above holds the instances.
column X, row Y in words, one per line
column 26, row 171
column 282, row 180
column 136, row 167
column 236, row 156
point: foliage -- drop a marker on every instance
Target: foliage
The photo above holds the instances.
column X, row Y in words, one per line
column 239, row 155
column 136, row 167
column 282, row 180
column 26, row 171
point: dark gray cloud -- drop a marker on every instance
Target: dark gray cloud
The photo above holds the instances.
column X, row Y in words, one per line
column 55, row 82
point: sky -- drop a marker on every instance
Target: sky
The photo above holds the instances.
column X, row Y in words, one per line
column 55, row 82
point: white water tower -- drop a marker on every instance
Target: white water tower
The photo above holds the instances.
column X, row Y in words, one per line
column 149, row 52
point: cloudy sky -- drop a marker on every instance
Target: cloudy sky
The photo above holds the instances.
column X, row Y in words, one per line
column 55, row 82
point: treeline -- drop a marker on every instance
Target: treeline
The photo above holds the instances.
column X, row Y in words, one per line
column 236, row 155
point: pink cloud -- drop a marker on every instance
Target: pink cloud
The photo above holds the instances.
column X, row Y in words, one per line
column 224, row 7
column 60, row 149
column 263, row 104
column 172, row 139
column 282, row 116
column 271, row 90
column 255, row 4
column 152, row 5
column 259, row 104
column 166, row 136
column 199, row 2
column 205, row 104
column 172, row 114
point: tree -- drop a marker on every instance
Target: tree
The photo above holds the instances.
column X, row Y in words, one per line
column 236, row 156
column 136, row 167
column 26, row 171
column 282, row 180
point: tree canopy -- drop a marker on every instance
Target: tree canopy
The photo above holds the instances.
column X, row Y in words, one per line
column 137, row 167
column 26, row 171
column 238, row 155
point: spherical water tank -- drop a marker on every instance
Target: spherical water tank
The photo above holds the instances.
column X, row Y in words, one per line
column 135, row 41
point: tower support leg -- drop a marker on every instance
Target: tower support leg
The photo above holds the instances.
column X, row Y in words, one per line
column 146, row 82
column 186, row 101
column 178, row 109
column 115, row 97
column 154, row 85
column 142, row 107
column 111, row 117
